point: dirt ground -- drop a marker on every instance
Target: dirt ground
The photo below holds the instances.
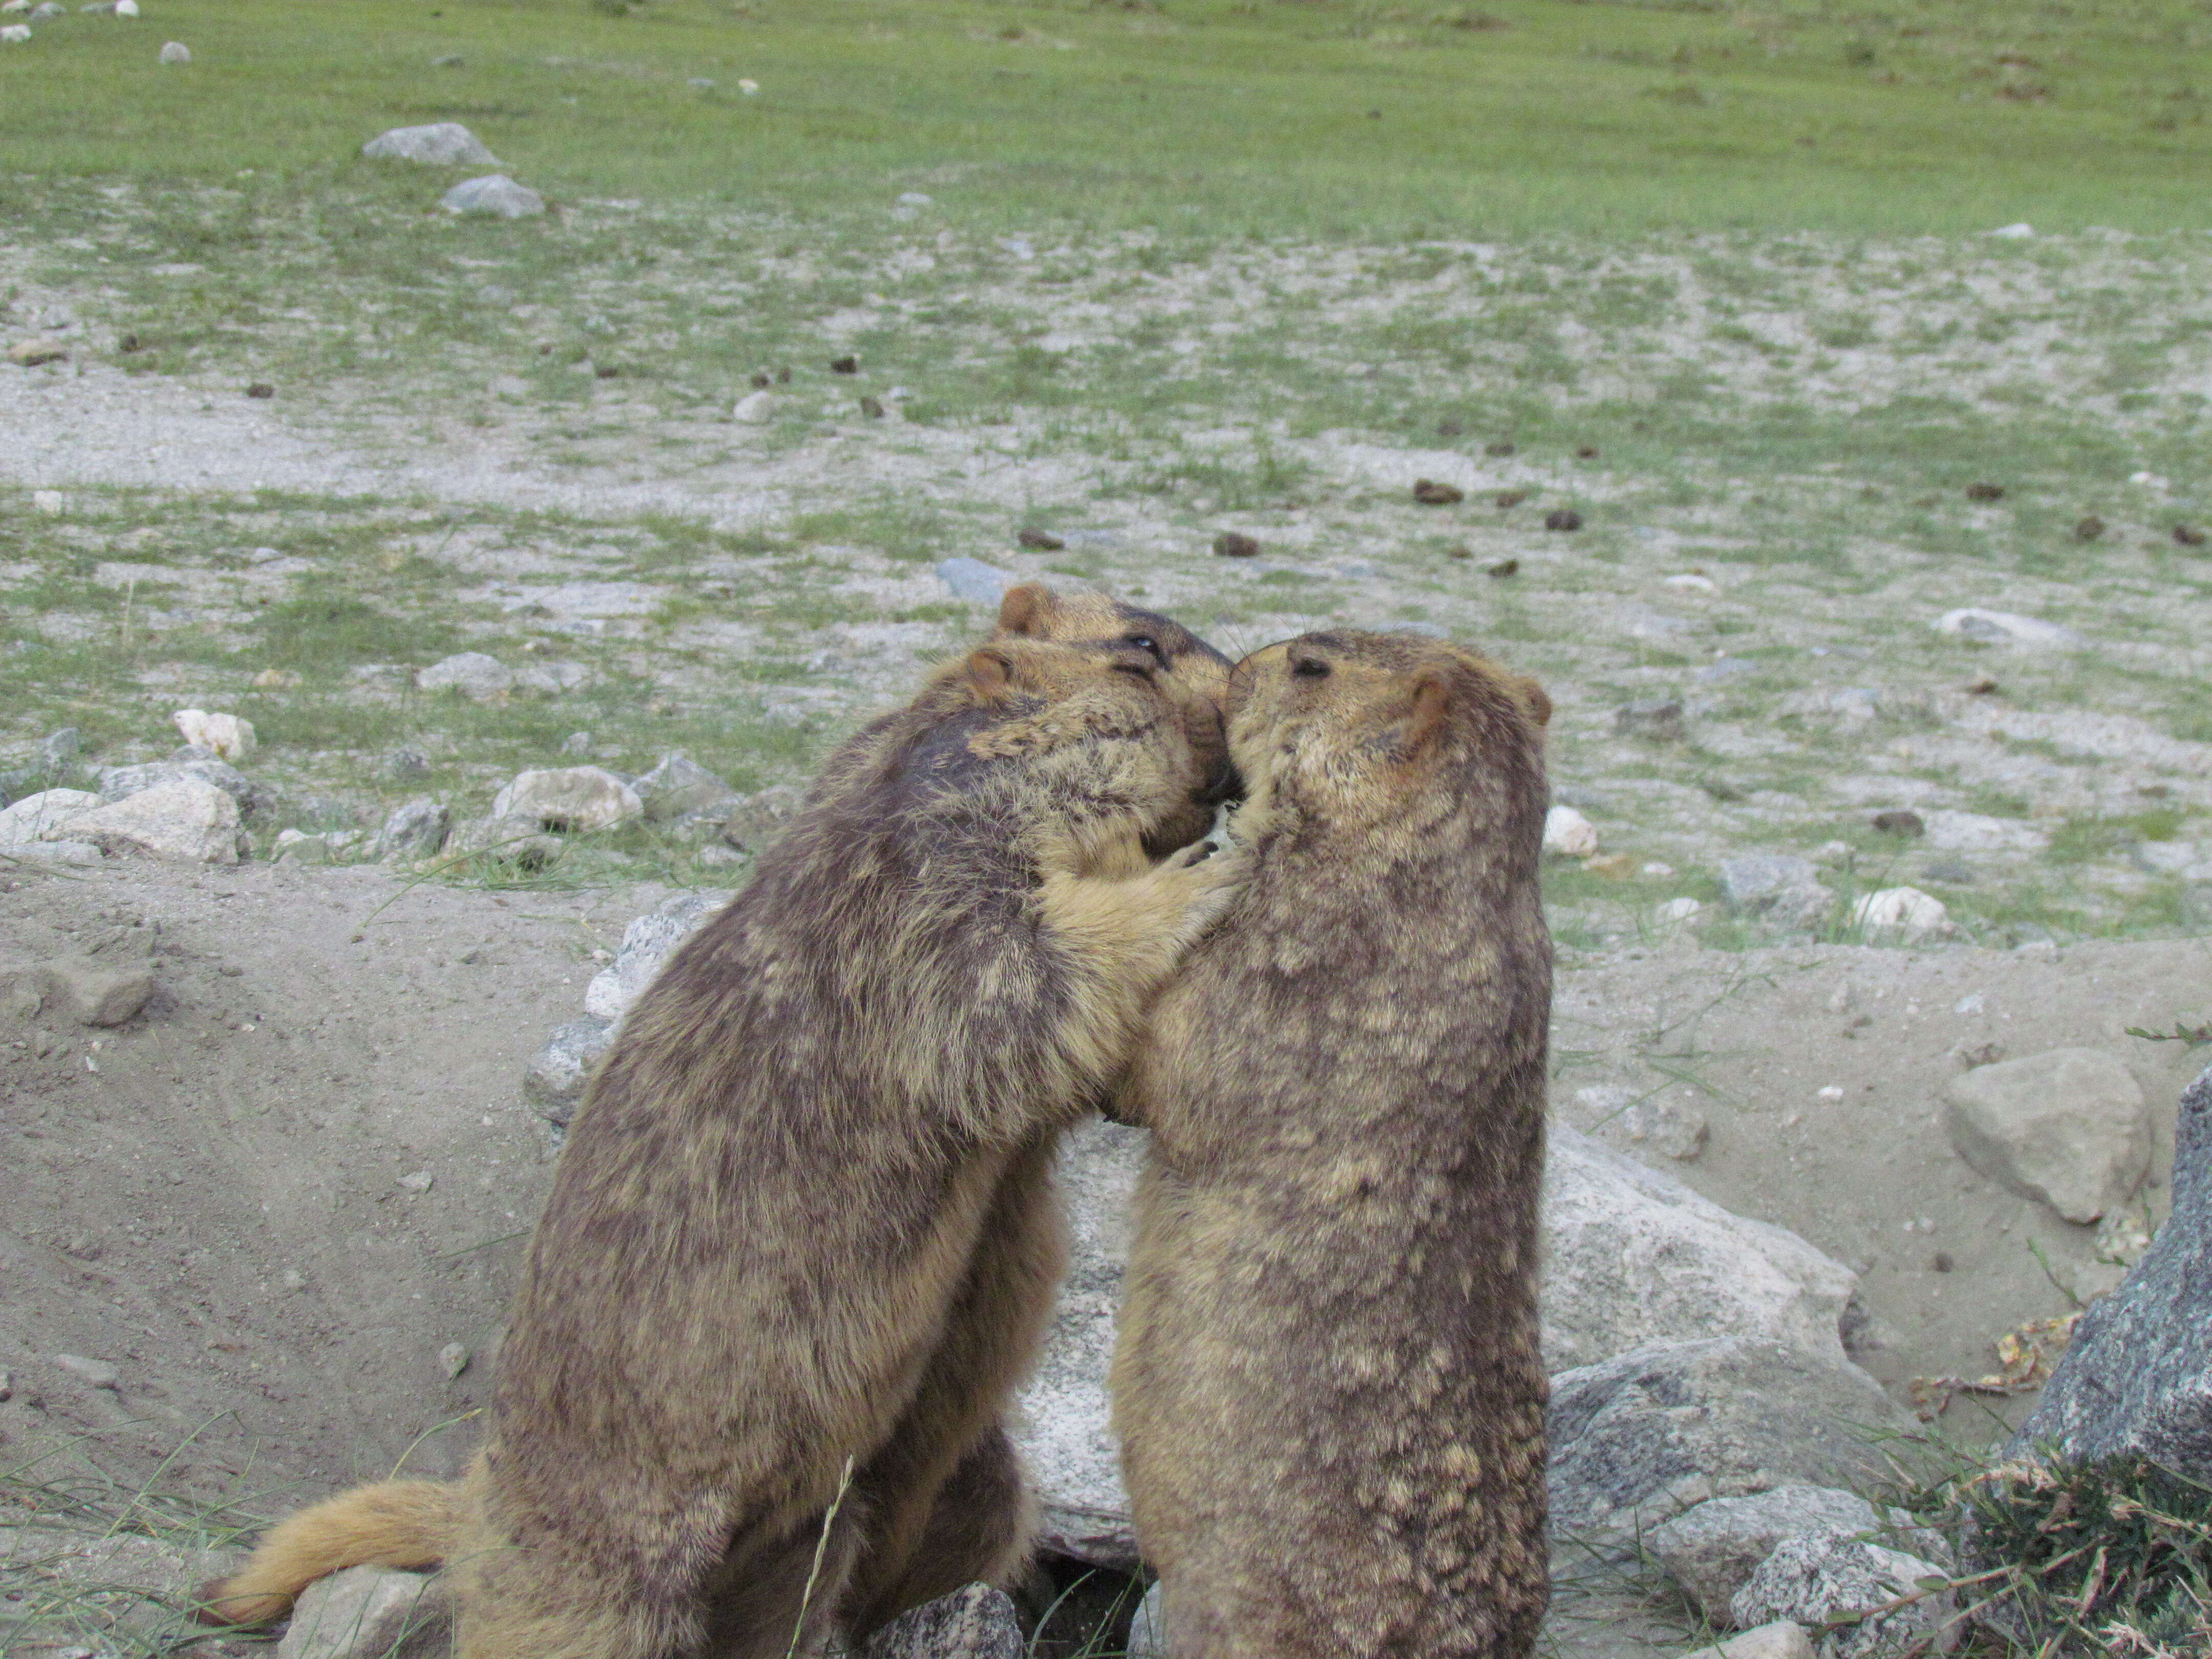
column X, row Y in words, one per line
column 275, row 1199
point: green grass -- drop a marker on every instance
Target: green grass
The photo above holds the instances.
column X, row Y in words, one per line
column 1216, row 117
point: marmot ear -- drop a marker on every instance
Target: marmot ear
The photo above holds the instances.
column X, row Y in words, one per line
column 1027, row 610
column 990, row 672
column 1539, row 701
column 1432, row 702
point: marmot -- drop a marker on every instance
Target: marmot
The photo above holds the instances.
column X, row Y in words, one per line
column 802, row 1224
column 1326, row 1381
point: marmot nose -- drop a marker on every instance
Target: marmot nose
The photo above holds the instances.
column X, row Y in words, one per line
column 1226, row 784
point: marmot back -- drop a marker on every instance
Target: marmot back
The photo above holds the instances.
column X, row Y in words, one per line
column 1327, row 1384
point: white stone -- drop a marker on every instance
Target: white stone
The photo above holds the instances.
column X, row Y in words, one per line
column 1691, row 581
column 2067, row 1128
column 126, row 8
column 973, row 580
column 2003, row 628
column 176, row 52
column 1780, row 1640
column 1950, row 831
column 478, row 676
column 1568, row 834
column 1711, row 1550
column 755, row 409
column 1679, row 909
column 48, row 502
column 15, row 34
column 16, row 6
column 1901, row 912
column 370, row 1613
column 40, row 817
column 568, row 798
column 1813, row 1581
column 188, row 819
column 442, row 144
column 82, row 853
column 2018, row 231
column 494, row 193
column 231, row 737
column 646, row 943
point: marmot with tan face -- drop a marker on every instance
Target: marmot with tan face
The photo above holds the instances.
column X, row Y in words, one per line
column 1328, row 1384
column 801, row 1226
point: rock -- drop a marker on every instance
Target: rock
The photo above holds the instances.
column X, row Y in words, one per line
column 977, row 1622
column 1779, row 1640
column 1568, row 834
column 100, row 993
column 1973, row 832
column 472, row 673
column 29, row 354
column 1429, row 493
column 229, row 737
column 1637, row 1437
column 554, row 1082
column 35, row 817
column 2067, row 1128
column 757, row 821
column 415, row 831
column 1669, row 1126
column 73, row 853
column 14, row 34
column 371, row 1613
column 495, row 193
column 973, row 580
column 2136, row 1381
column 185, row 818
column 1679, row 909
column 520, row 842
column 121, row 782
column 1817, row 1580
column 1776, row 887
column 442, row 144
column 1063, row 1427
column 176, row 51
column 330, row 847
column 1710, row 1551
column 1148, row 1628
column 94, row 1373
column 2003, row 628
column 678, row 786
column 454, row 1357
column 756, row 408
column 1235, row 544
column 1564, row 518
column 1650, row 717
column 567, row 799
column 1902, row 914
column 1632, row 1256
column 647, row 944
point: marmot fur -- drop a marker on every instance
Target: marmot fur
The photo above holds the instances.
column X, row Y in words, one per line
column 1326, row 1383
column 802, row 1226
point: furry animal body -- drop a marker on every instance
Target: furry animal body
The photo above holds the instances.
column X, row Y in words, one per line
column 1327, row 1382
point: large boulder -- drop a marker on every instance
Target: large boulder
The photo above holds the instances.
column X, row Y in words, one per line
column 441, row 143
column 36, row 816
column 1884, row 1601
column 564, row 799
column 1711, row 1551
column 1640, row 1436
column 184, row 818
column 121, row 782
column 2136, row 1382
column 678, row 786
column 2067, row 1128
column 647, row 944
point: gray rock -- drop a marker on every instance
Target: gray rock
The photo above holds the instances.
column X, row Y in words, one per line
column 371, row 1613
column 1658, row 718
column 756, row 408
column 647, row 944
column 1711, row 1551
column 680, row 785
column 417, row 830
column 554, row 1082
column 1669, row 1126
column 1780, row 1640
column 1148, row 1630
column 185, row 818
column 756, row 821
column 406, row 763
column 121, row 782
column 1776, row 887
column 973, row 580
column 57, row 749
column 98, row 993
column 1641, row 1436
column 475, row 676
column 576, row 744
column 495, row 193
column 47, row 9
column 2136, row 1381
column 330, row 846
column 176, row 51
column 74, row 854
column 1950, row 831
column 1819, row 1580
column 2068, row 1127
column 2004, row 627
column 35, row 817
column 442, row 144
column 567, row 799
column 96, row 1373
column 977, row 1622
column 518, row 841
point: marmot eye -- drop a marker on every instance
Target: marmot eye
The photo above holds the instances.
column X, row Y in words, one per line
column 1309, row 668
column 1146, row 642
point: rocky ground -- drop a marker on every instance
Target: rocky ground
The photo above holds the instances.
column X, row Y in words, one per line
column 1881, row 575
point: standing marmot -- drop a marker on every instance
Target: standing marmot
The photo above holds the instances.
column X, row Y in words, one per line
column 793, row 1230
column 1328, row 1386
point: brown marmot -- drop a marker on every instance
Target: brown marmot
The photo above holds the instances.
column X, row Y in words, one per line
column 802, row 1223
column 1326, row 1382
